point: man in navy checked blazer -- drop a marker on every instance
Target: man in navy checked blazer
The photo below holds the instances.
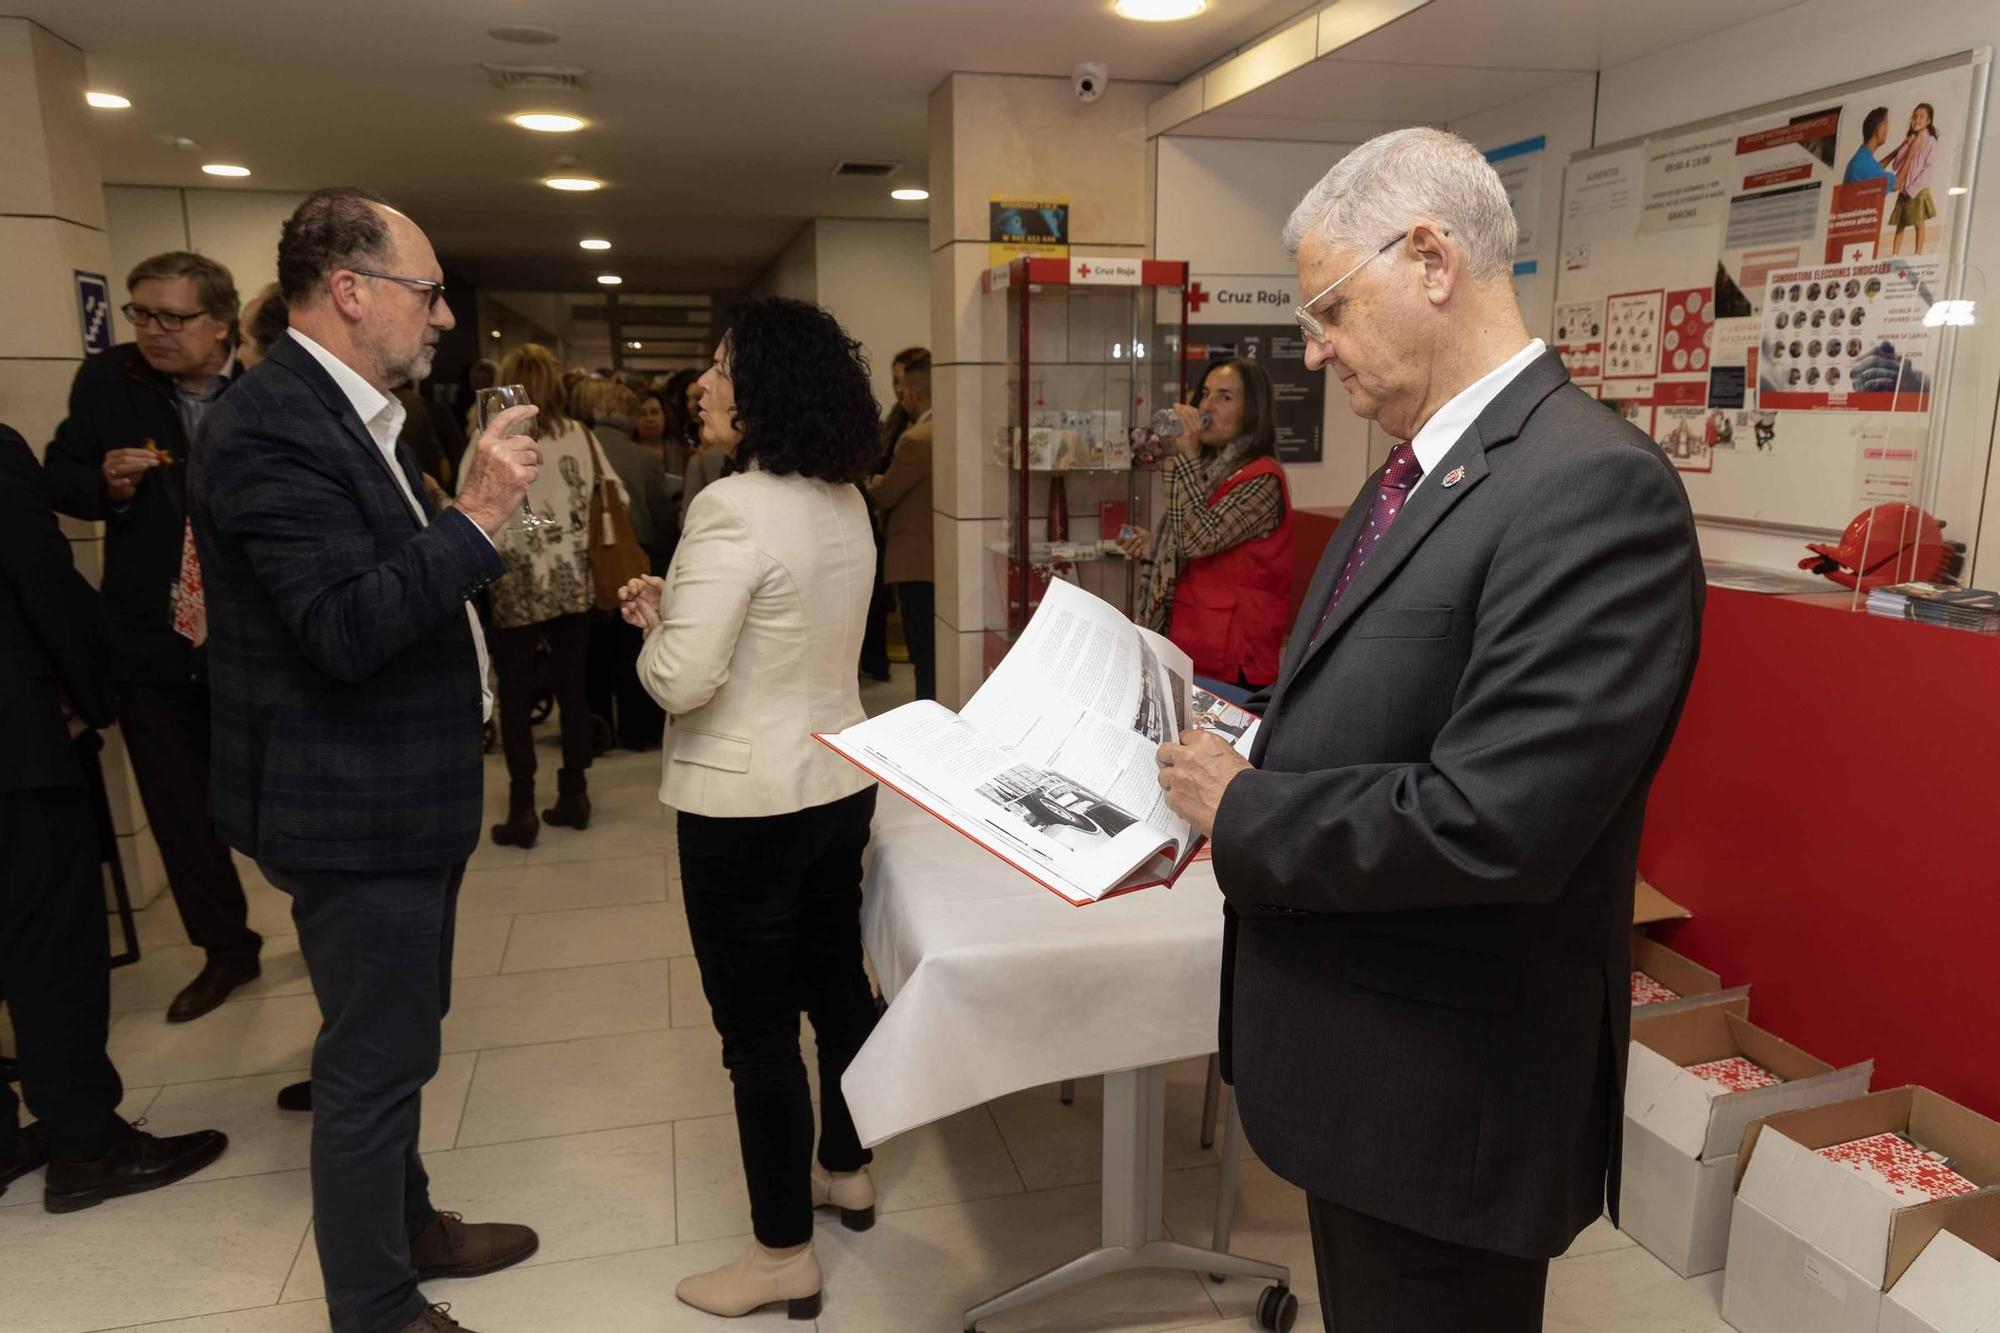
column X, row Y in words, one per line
column 349, row 686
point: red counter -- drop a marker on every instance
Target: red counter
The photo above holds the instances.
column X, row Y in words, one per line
column 1828, row 813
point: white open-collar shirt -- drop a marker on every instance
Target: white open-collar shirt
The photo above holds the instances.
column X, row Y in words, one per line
column 382, row 416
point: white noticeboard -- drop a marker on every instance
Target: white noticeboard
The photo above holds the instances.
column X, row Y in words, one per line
column 1754, row 290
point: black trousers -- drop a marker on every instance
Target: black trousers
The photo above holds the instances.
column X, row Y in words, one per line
column 616, row 694
column 54, row 973
column 1375, row 1277
column 875, row 637
column 378, row 948
column 569, row 674
column 918, row 604
column 166, row 733
column 774, row 908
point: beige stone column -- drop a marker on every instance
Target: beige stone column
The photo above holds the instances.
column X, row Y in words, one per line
column 52, row 226
column 1004, row 134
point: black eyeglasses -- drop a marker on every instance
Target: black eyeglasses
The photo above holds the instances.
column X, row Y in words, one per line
column 173, row 321
column 434, row 290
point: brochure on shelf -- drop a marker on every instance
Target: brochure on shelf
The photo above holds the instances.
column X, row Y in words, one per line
column 1813, row 1242
column 1683, row 1127
column 1050, row 766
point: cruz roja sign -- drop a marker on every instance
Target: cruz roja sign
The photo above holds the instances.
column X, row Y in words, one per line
column 1251, row 316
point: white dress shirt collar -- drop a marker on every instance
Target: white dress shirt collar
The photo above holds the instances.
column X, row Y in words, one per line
column 380, row 413
column 1449, row 422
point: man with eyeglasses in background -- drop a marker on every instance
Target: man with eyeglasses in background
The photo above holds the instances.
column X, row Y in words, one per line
column 121, row 459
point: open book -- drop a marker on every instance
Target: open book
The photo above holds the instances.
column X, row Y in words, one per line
column 1051, row 764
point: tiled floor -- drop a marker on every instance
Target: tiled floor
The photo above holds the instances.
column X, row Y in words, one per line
column 582, row 1092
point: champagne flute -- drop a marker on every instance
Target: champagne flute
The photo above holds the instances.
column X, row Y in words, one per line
column 492, row 402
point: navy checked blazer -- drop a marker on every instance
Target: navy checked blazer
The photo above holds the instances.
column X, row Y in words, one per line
column 344, row 685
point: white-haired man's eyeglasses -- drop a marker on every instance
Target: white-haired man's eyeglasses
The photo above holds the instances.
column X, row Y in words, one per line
column 1309, row 323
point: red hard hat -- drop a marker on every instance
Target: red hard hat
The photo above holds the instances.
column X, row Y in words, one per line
column 1890, row 543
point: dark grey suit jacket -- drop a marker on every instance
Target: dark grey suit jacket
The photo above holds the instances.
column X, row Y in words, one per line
column 1429, row 872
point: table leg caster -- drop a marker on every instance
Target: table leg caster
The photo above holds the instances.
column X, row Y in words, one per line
column 1277, row 1310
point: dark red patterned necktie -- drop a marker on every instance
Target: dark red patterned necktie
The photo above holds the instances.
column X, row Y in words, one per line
column 1402, row 472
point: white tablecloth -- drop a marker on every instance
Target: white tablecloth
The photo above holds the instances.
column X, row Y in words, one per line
column 996, row 984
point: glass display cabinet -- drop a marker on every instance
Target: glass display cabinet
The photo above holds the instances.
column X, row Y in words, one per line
column 1094, row 350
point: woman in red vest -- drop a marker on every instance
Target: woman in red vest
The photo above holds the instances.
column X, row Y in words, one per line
column 1218, row 571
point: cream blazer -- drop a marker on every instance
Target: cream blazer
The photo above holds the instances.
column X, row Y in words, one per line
column 759, row 643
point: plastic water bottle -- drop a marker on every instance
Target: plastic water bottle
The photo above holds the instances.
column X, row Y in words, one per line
column 1167, row 425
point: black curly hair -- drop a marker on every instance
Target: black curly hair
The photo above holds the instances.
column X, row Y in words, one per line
column 803, row 398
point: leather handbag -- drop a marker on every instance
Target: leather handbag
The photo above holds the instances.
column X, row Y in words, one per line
column 616, row 558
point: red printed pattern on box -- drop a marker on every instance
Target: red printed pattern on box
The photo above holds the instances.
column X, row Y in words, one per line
column 1735, row 1074
column 1899, row 1167
column 1645, row 990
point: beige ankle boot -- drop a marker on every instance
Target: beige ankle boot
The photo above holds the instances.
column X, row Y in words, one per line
column 761, row 1277
column 852, row 1192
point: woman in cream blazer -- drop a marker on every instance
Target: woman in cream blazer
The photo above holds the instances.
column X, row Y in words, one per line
column 752, row 642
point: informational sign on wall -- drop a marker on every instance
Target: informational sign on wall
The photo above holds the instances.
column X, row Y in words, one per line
column 1760, row 278
column 1027, row 225
column 1233, row 315
column 1520, row 169
column 93, row 309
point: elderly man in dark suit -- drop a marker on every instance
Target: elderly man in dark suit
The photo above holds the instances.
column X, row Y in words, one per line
column 121, row 457
column 1428, row 860
column 55, row 686
column 349, row 680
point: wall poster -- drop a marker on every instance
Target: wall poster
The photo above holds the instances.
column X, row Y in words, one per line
column 1773, row 275
column 1027, row 225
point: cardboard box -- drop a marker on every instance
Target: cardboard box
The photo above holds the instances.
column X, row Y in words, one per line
column 1812, row 1244
column 1649, row 905
column 1954, row 1285
column 1682, row 1133
column 1695, row 984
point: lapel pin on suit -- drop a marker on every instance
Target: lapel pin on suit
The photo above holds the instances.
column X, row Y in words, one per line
column 1453, row 477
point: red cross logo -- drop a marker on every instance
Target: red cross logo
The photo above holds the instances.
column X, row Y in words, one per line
column 1082, row 270
column 1197, row 298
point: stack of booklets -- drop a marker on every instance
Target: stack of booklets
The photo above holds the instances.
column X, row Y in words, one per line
column 1902, row 1166
column 1935, row 604
column 1645, row 990
column 1734, row 1074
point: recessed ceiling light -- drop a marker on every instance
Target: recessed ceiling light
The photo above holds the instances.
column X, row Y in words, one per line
column 636, row 347
column 609, row 279
column 496, row 333
column 224, row 169
column 109, row 101
column 548, row 122
column 524, row 34
column 594, row 243
column 910, row 196
column 573, row 183
column 1957, row 189
column 1159, row 11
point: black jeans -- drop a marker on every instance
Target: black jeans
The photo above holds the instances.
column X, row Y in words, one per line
column 166, row 733
column 875, row 636
column 378, row 947
column 1376, row 1277
column 54, row 973
column 569, row 674
column 774, row 907
column 918, row 604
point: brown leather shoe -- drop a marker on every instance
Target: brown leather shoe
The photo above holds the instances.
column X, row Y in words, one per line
column 437, row 1319
column 211, row 987
column 452, row 1247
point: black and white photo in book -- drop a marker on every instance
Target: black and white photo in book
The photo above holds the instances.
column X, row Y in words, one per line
column 1051, row 764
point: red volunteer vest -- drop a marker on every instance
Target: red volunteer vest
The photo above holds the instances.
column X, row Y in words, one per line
column 1229, row 610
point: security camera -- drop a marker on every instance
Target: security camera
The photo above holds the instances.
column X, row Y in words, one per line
column 1090, row 79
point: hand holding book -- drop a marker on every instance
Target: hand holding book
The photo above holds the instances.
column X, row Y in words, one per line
column 1194, row 772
